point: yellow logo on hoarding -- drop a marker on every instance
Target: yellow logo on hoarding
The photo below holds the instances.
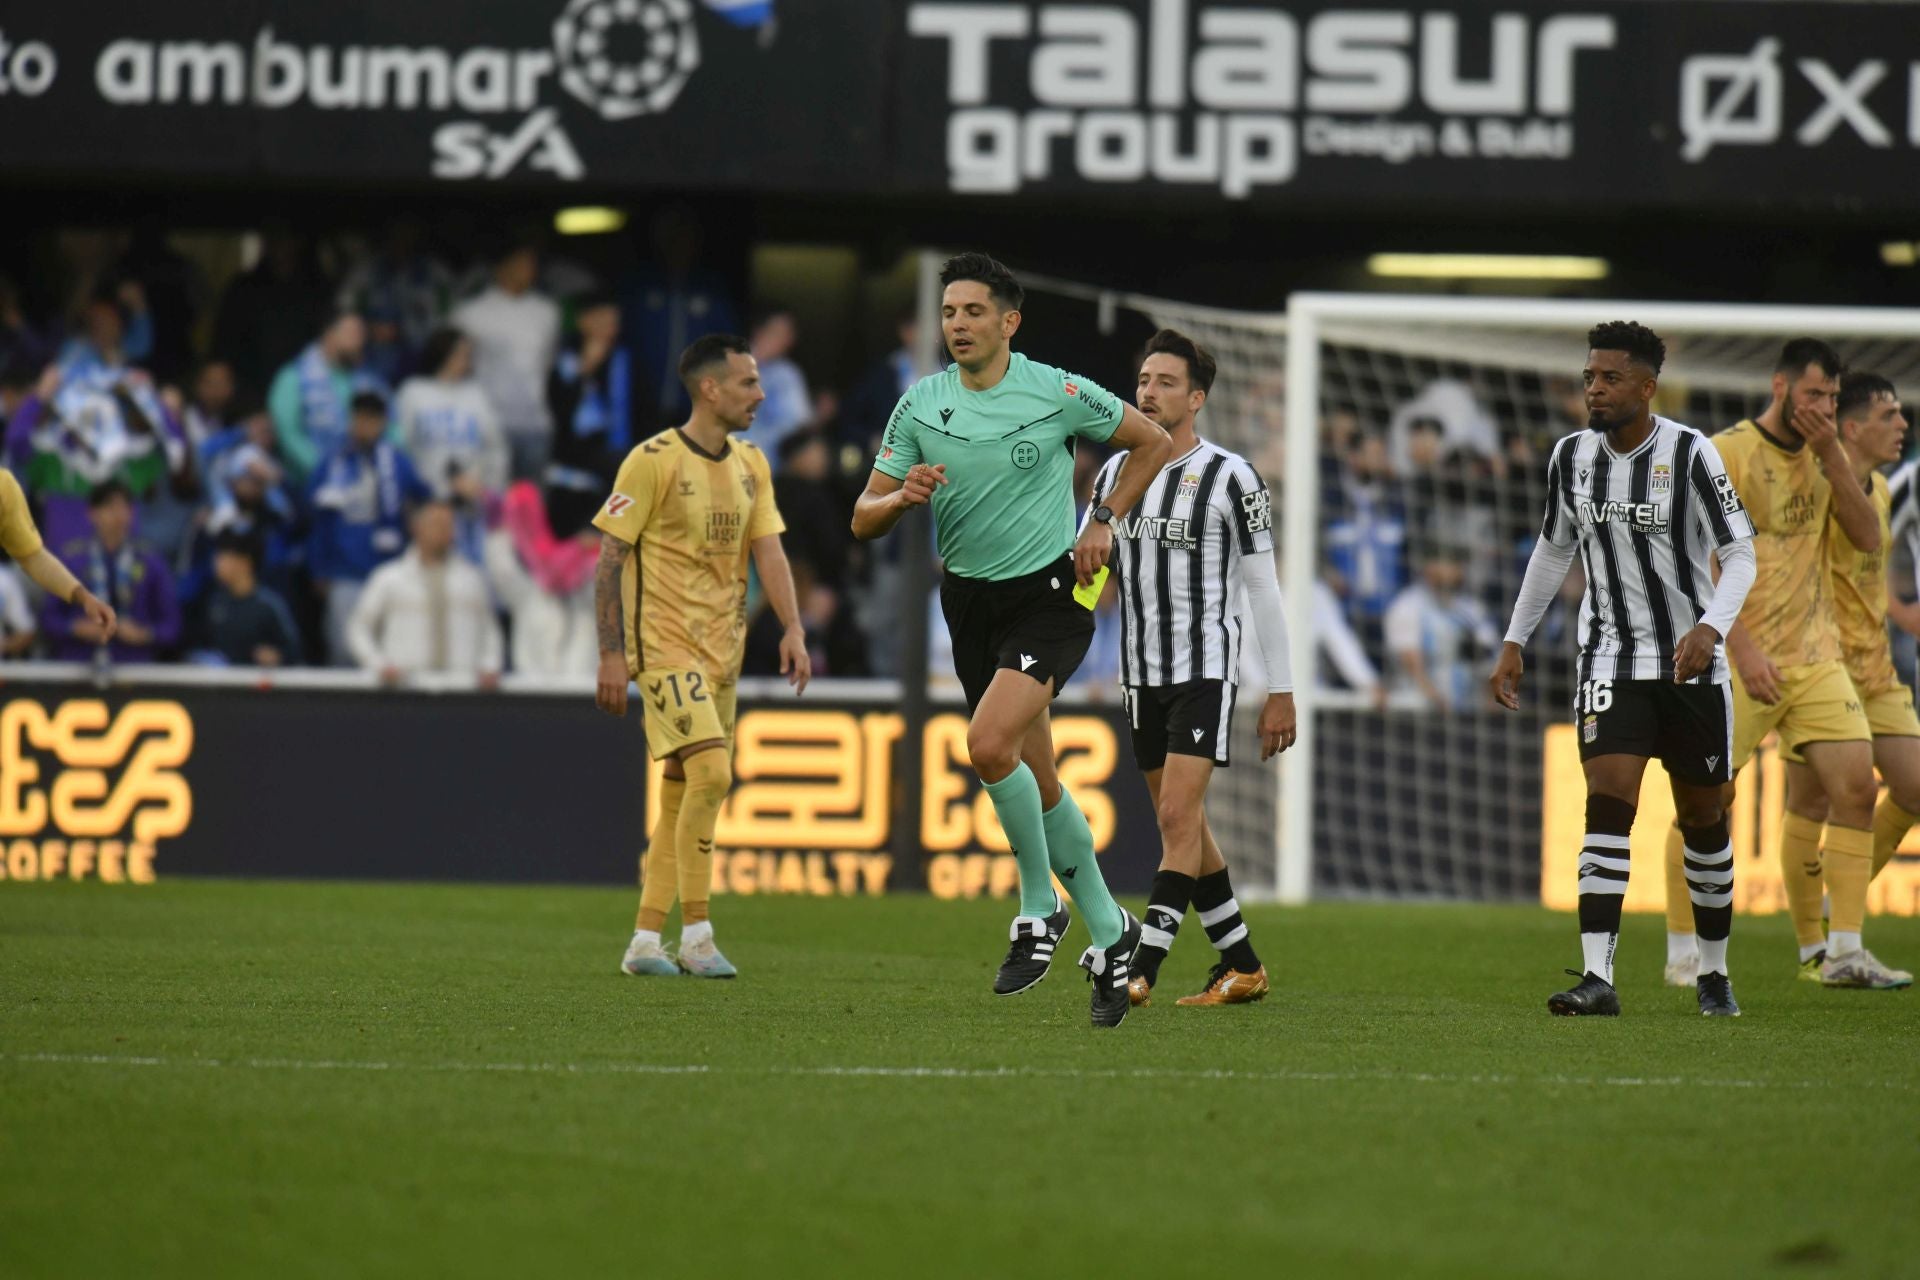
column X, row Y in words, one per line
column 812, row 808
column 809, row 813
column 1758, row 814
column 63, row 814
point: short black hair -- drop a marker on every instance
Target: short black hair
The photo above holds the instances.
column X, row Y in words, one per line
column 439, row 348
column 1859, row 390
column 988, row 271
column 707, row 352
column 1639, row 342
column 1801, row 352
column 106, row 491
column 238, row 543
column 369, row 402
column 1201, row 365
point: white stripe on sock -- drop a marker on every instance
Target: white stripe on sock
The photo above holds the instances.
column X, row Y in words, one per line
column 1214, row 915
column 1239, row 932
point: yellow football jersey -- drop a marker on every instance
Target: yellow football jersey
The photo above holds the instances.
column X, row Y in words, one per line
column 1789, row 613
column 693, row 517
column 18, row 538
column 1860, row 598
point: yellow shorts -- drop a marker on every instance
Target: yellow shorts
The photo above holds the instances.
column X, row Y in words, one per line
column 1889, row 714
column 683, row 707
column 1817, row 704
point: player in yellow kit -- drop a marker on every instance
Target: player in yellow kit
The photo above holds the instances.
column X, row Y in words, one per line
column 1874, row 430
column 21, row 541
column 1794, row 476
column 694, row 504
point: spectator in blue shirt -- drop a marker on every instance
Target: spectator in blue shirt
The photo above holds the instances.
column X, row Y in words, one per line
column 360, row 495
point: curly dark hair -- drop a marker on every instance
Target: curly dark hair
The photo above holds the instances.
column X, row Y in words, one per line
column 988, row 271
column 1640, row 343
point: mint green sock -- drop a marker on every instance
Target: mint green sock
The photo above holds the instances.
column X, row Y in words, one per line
column 1070, row 851
column 1016, row 798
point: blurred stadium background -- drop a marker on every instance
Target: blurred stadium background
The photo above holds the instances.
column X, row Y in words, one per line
column 1393, row 226
column 199, row 197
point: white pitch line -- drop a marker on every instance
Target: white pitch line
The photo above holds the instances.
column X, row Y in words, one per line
column 936, row 1073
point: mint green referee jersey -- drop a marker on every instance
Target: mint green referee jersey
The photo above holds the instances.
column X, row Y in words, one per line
column 1007, row 507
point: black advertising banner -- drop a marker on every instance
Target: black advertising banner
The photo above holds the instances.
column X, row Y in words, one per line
column 242, row 782
column 1598, row 105
column 1679, row 104
column 662, row 93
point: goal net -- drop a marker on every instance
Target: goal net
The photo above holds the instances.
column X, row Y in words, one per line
column 1407, row 512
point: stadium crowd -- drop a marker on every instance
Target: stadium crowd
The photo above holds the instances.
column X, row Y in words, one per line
column 372, row 457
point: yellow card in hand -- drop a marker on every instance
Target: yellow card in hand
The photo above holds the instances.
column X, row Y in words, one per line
column 1089, row 595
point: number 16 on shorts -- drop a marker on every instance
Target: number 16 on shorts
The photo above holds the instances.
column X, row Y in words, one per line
column 1592, row 701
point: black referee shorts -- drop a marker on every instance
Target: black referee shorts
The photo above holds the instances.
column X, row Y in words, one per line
column 1190, row 719
column 1030, row 624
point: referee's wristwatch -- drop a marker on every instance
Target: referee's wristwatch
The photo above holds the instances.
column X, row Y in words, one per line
column 1103, row 514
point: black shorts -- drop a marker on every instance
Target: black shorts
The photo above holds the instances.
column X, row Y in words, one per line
column 1686, row 727
column 1190, row 719
column 1030, row 624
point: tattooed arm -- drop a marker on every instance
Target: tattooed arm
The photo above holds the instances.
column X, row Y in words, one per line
column 610, row 695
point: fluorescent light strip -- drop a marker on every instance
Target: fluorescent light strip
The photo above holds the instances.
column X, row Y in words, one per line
column 1486, row 266
column 588, row 221
column 1900, row 253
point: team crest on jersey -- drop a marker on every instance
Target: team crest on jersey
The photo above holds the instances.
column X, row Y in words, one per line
column 684, row 725
column 1590, row 729
column 1662, row 483
column 748, row 483
column 1189, row 486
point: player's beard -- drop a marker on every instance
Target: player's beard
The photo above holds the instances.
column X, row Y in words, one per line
column 1598, row 421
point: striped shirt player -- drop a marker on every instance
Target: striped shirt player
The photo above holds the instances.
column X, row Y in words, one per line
column 1644, row 527
column 1202, row 534
column 1647, row 506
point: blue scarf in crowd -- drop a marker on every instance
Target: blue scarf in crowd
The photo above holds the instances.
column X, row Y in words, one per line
column 606, row 403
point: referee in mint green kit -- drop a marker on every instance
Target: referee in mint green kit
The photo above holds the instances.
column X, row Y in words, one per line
column 988, row 442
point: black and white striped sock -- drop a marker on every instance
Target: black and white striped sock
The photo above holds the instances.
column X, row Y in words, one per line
column 1709, row 864
column 1219, row 913
column 1166, row 907
column 1603, row 881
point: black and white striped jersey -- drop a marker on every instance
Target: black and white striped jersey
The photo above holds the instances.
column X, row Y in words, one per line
column 1177, row 556
column 1645, row 525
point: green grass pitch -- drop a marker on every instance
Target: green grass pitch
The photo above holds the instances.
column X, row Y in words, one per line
column 252, row 1079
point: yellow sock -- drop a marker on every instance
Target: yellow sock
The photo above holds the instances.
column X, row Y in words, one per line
column 1679, row 905
column 1801, row 867
column 1849, row 858
column 660, row 869
column 1890, row 826
column 709, row 775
